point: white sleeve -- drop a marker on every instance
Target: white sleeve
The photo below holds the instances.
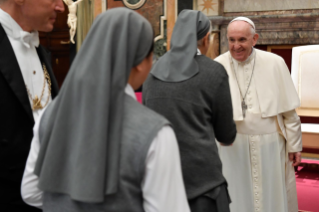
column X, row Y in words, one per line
column 29, row 187
column 293, row 130
column 163, row 186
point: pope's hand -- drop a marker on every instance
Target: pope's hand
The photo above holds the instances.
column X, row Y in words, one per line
column 295, row 157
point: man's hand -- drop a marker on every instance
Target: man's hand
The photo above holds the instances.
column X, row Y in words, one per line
column 222, row 144
column 295, row 157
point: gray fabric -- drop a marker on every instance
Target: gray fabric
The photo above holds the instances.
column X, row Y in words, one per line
column 216, row 200
column 178, row 64
column 85, row 129
column 199, row 110
column 140, row 127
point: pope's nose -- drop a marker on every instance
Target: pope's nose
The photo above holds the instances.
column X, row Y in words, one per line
column 236, row 46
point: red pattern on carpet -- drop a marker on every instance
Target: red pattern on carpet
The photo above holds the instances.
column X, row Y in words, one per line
column 307, row 180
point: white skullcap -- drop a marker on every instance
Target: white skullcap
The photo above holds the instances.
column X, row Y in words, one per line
column 244, row 19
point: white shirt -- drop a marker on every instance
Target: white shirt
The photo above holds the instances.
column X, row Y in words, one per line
column 23, row 44
column 162, row 186
column 198, row 52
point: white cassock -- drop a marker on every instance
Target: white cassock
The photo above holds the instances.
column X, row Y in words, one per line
column 260, row 177
column 161, row 192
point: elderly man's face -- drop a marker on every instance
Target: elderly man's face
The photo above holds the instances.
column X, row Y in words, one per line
column 240, row 40
column 40, row 15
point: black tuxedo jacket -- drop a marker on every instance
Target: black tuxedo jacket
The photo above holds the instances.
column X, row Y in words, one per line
column 16, row 120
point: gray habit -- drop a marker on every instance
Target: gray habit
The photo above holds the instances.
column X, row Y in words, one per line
column 192, row 92
column 85, row 129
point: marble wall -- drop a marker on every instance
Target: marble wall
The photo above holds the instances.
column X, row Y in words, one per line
column 275, row 27
column 301, row 29
column 266, row 5
column 160, row 13
column 152, row 10
column 213, row 49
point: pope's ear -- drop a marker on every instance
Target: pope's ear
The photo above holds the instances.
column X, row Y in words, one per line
column 19, row 2
column 255, row 38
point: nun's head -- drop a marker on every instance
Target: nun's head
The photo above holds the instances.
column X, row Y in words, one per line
column 118, row 46
column 139, row 72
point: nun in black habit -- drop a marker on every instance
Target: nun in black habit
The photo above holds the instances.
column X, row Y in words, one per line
column 96, row 148
column 192, row 92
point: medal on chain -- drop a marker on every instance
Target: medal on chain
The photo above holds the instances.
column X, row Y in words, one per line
column 244, row 107
column 36, row 101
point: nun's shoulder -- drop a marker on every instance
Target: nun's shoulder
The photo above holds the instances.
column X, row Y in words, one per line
column 149, row 80
column 210, row 67
column 143, row 114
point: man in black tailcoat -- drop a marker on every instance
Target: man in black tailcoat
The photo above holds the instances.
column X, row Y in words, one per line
column 27, row 85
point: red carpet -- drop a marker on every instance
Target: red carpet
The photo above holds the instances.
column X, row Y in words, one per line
column 307, row 179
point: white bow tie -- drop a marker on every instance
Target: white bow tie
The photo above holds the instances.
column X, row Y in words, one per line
column 29, row 39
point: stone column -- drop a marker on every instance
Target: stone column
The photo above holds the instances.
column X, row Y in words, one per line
column 213, row 49
column 223, row 39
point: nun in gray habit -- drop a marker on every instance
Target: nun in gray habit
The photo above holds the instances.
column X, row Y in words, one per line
column 100, row 150
column 192, row 92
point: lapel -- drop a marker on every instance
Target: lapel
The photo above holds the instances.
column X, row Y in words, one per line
column 10, row 69
column 46, row 58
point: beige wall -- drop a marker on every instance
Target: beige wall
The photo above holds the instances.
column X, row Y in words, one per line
column 266, row 5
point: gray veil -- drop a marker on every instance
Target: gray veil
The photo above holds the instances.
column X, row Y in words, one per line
column 80, row 146
column 178, row 64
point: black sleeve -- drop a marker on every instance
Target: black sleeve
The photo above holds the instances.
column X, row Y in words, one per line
column 224, row 125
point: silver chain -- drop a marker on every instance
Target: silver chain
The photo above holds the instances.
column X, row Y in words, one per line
column 249, row 80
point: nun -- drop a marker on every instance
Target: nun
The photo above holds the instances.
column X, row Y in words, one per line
column 95, row 147
column 192, row 92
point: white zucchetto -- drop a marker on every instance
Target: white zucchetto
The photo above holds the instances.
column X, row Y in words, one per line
column 244, row 19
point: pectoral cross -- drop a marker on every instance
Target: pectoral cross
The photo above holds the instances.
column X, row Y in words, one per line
column 244, row 107
column 36, row 103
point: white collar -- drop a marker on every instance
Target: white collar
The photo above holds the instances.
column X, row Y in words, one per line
column 13, row 29
column 129, row 91
column 247, row 60
column 198, row 52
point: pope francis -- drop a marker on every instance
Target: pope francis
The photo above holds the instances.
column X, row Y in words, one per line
column 259, row 166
